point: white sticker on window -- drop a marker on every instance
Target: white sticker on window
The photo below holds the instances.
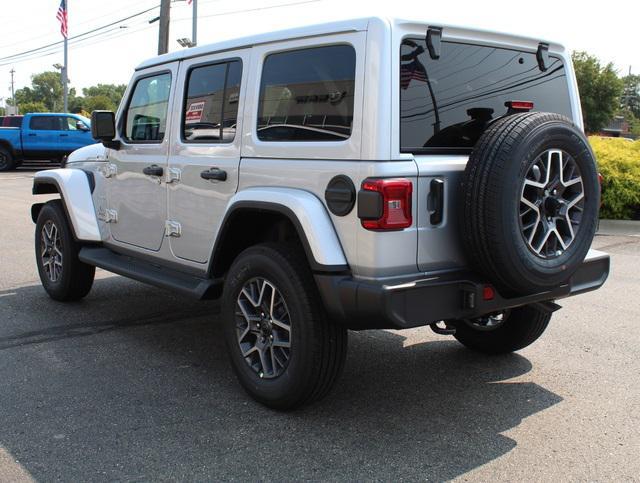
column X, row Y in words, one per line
column 194, row 112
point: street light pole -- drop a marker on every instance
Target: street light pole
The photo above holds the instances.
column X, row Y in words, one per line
column 163, row 30
column 194, row 28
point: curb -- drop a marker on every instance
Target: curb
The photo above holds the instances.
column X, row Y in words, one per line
column 619, row 227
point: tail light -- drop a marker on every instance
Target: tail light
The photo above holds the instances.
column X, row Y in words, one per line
column 385, row 204
column 519, row 106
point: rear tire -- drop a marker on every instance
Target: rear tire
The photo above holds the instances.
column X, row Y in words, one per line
column 7, row 161
column 284, row 350
column 63, row 276
column 520, row 327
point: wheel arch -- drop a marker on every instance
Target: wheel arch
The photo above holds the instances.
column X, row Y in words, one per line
column 75, row 187
column 278, row 214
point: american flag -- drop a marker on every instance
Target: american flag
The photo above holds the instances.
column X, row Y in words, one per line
column 62, row 17
column 412, row 70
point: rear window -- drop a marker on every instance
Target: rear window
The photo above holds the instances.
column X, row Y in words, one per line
column 446, row 104
column 12, row 121
column 307, row 95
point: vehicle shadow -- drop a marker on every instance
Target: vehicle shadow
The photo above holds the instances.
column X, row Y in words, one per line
column 133, row 383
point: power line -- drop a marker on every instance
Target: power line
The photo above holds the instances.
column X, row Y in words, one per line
column 19, row 54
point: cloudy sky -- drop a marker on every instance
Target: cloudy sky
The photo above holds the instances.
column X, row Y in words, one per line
column 110, row 55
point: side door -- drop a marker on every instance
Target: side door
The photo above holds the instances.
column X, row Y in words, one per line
column 136, row 191
column 77, row 133
column 41, row 137
column 205, row 156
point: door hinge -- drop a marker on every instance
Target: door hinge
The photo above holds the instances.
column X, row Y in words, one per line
column 172, row 228
column 108, row 215
column 108, row 170
column 173, row 175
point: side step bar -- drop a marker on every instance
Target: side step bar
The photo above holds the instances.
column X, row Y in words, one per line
column 199, row 288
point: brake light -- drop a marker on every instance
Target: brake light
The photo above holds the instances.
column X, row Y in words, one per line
column 394, row 202
column 524, row 106
column 488, row 293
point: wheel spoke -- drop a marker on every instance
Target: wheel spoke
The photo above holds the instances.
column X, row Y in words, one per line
column 551, row 202
column 263, row 327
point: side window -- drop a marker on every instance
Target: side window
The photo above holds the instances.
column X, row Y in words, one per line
column 71, row 124
column 45, row 123
column 307, row 95
column 146, row 117
column 211, row 103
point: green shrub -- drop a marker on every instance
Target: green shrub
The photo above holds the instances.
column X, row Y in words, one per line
column 619, row 164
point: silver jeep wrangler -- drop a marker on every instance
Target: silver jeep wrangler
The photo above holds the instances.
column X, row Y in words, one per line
column 364, row 174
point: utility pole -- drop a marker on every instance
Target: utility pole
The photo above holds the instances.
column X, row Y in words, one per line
column 13, row 92
column 163, row 31
column 194, row 28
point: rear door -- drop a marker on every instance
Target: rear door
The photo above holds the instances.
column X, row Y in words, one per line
column 42, row 136
column 136, row 190
column 445, row 106
column 205, row 155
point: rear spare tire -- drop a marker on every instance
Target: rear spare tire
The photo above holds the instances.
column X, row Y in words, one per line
column 530, row 199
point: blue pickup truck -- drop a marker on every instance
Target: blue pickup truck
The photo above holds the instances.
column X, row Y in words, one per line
column 43, row 136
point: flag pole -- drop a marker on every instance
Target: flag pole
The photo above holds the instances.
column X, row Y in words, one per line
column 65, row 80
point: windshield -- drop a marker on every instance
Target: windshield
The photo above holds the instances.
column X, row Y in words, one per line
column 446, row 104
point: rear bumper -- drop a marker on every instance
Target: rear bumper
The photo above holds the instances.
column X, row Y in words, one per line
column 405, row 303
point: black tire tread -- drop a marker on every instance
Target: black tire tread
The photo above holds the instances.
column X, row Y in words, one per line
column 11, row 161
column 330, row 351
column 480, row 189
column 523, row 327
column 79, row 277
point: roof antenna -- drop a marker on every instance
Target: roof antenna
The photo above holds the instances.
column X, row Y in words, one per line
column 434, row 35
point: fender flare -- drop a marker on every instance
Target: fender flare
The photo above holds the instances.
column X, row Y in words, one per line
column 307, row 214
column 75, row 187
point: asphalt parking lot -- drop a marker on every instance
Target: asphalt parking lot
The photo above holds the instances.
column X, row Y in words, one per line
column 133, row 383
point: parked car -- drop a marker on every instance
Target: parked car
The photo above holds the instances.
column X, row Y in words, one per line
column 366, row 174
column 42, row 136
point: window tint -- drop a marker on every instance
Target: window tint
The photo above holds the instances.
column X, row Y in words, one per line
column 46, row 123
column 449, row 102
column 211, row 107
column 146, row 118
column 12, row 121
column 307, row 95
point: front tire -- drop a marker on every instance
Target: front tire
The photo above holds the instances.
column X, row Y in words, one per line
column 284, row 350
column 502, row 333
column 63, row 276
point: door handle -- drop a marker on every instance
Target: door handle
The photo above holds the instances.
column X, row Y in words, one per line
column 153, row 170
column 214, row 173
column 436, row 201
column 31, row 134
column 63, row 135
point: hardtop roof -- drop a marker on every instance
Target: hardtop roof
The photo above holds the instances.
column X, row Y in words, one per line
column 325, row 28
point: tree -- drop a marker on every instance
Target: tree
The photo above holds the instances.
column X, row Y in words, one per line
column 600, row 90
column 630, row 99
column 114, row 92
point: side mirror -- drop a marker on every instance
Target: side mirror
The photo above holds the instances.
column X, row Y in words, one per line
column 103, row 128
column 81, row 126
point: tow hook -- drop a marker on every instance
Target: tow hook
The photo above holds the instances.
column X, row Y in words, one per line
column 446, row 330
